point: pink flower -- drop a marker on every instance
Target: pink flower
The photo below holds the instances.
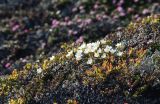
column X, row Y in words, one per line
column 104, row 16
column 138, row 19
column 98, row 17
column 96, row 6
column 75, row 32
column 121, row 2
column 7, row 65
column 81, row 7
column 88, row 21
column 55, row 23
column 120, row 9
column 74, row 9
column 130, row 10
column 70, row 32
column 115, row 16
column 80, row 40
column 15, row 27
column 122, row 14
column 26, row 30
column 145, row 11
column 79, row 20
column 66, row 18
column 136, row 16
column 69, row 23
column 136, row 1
column 113, row 1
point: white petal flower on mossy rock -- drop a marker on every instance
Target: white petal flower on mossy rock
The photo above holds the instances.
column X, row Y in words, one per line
column 96, row 54
column 103, row 41
column 120, row 45
column 112, row 51
column 119, row 53
column 39, row 70
column 97, row 43
column 83, row 46
column 69, row 54
column 86, row 51
column 78, row 55
column 107, row 49
column 90, row 61
column 52, row 58
column 103, row 56
column 88, row 48
column 99, row 50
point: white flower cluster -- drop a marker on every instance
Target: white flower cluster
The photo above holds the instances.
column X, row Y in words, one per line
column 91, row 47
column 99, row 49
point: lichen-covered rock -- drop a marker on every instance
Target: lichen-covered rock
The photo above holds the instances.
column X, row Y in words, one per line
column 123, row 67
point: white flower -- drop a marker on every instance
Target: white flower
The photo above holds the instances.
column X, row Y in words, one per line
column 37, row 60
column 79, row 51
column 107, row 49
column 86, row 51
column 90, row 61
column 96, row 54
column 94, row 46
column 50, row 30
column 103, row 56
column 99, row 50
column 52, row 58
column 88, row 48
column 83, row 46
column 39, row 70
column 91, row 47
column 120, row 45
column 103, row 41
column 150, row 41
column 119, row 53
column 112, row 51
column 69, row 54
column 58, row 12
column 78, row 55
column 97, row 43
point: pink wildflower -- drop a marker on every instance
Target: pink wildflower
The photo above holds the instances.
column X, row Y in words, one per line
column 80, row 40
column 15, row 27
column 55, row 23
column 145, row 11
column 7, row 65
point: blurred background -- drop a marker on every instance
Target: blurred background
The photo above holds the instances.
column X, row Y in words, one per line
column 32, row 28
